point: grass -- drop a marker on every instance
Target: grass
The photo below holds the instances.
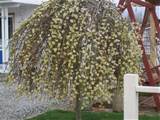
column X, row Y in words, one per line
column 66, row 115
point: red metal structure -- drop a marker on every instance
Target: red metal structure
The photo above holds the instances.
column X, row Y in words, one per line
column 150, row 10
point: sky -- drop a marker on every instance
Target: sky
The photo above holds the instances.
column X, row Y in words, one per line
column 139, row 11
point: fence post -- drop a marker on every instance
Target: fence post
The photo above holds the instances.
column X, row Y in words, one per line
column 130, row 97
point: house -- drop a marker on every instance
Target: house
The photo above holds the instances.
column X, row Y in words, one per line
column 12, row 13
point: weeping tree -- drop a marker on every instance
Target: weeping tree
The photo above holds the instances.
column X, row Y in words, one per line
column 78, row 49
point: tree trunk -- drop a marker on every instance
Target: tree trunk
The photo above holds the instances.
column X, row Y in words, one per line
column 78, row 106
column 118, row 101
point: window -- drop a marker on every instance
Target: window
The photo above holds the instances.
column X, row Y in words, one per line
column 10, row 32
column 10, row 28
column 146, row 41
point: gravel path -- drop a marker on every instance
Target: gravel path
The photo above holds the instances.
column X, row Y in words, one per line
column 18, row 108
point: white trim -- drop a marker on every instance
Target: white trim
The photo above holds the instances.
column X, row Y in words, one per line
column 5, row 37
column 146, row 89
column 33, row 2
column 9, row 5
column 130, row 97
column 131, row 94
column 9, row 16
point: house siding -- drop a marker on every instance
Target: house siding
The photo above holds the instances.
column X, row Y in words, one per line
column 21, row 13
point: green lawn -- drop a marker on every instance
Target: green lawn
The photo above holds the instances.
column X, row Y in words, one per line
column 65, row 115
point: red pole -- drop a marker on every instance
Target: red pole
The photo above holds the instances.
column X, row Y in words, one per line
column 150, row 8
column 131, row 13
column 143, row 3
column 153, row 13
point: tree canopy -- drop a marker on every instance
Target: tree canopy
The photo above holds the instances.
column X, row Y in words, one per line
column 74, row 47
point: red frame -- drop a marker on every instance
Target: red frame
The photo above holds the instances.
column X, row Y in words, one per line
column 149, row 10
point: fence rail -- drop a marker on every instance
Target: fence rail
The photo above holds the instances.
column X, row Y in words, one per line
column 131, row 94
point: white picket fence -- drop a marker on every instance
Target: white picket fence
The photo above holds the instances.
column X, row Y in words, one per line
column 131, row 94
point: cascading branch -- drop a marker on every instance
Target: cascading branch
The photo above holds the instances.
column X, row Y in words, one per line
column 76, row 48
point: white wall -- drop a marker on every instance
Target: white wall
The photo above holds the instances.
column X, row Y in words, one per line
column 36, row 2
column 22, row 13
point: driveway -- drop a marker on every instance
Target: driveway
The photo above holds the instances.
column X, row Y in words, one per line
column 18, row 108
